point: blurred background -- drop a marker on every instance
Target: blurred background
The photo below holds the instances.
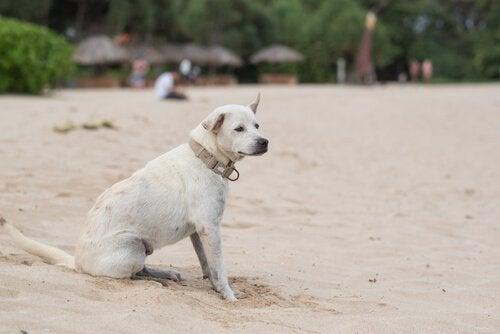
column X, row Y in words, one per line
column 95, row 42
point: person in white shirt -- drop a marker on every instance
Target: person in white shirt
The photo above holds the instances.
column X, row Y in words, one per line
column 166, row 87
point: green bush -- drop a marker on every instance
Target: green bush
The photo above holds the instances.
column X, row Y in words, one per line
column 32, row 58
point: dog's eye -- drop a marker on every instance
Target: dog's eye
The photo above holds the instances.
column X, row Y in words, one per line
column 257, row 125
column 239, row 129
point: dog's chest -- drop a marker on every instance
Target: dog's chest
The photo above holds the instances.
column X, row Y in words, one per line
column 216, row 198
column 208, row 199
column 201, row 202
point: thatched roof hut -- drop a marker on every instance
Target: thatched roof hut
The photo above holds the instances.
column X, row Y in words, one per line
column 171, row 53
column 277, row 54
column 215, row 55
column 221, row 56
column 99, row 50
column 144, row 51
column 197, row 54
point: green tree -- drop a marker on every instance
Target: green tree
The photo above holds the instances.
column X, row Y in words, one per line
column 242, row 25
column 334, row 31
column 28, row 10
column 486, row 42
column 137, row 16
column 288, row 19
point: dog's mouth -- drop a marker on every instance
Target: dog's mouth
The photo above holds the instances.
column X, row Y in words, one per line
column 255, row 153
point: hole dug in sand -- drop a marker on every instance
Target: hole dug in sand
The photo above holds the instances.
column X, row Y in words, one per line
column 253, row 293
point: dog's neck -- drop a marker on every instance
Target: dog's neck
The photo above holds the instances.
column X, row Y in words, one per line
column 209, row 141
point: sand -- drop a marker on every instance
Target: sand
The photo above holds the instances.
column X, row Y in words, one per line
column 376, row 210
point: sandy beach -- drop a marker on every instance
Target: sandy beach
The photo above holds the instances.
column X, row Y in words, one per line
column 376, row 210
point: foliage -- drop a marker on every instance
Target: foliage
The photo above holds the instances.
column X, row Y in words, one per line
column 486, row 45
column 243, row 25
column 31, row 57
column 29, row 10
column 461, row 37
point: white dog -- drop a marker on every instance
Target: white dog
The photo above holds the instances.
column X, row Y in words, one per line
column 179, row 194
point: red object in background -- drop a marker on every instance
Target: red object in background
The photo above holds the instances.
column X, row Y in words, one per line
column 122, row 39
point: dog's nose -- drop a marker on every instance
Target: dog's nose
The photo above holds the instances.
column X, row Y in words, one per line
column 263, row 142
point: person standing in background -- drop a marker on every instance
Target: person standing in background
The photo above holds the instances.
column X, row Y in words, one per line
column 137, row 78
column 427, row 70
column 414, row 68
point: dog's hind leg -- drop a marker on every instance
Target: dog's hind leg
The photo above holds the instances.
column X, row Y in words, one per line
column 151, row 273
column 148, row 273
column 119, row 257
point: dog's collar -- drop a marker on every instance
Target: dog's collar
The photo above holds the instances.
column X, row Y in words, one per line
column 212, row 163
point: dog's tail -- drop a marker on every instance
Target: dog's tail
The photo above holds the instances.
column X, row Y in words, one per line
column 51, row 255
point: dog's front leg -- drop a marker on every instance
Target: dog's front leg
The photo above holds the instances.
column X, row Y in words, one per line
column 200, row 252
column 211, row 241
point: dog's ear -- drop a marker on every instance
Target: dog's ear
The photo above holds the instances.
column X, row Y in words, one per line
column 255, row 104
column 213, row 123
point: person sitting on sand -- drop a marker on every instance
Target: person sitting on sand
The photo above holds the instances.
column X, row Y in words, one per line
column 166, row 87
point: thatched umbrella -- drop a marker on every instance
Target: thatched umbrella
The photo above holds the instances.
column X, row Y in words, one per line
column 212, row 56
column 144, row 51
column 221, row 56
column 277, row 54
column 171, row 53
column 99, row 50
column 197, row 54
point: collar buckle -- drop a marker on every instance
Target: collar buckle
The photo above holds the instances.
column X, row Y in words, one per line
column 229, row 171
column 212, row 163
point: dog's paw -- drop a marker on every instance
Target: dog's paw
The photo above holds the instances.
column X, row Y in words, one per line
column 229, row 296
column 169, row 274
column 173, row 275
column 231, row 299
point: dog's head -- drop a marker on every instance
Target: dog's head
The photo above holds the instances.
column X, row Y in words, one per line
column 236, row 130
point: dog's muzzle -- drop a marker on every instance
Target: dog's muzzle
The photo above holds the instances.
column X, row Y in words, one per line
column 260, row 147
